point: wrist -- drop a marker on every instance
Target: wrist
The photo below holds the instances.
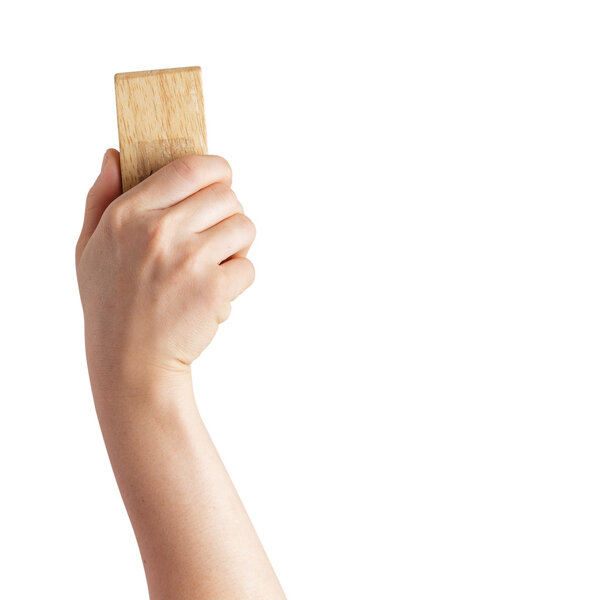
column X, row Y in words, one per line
column 136, row 377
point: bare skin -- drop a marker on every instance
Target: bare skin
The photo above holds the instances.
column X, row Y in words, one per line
column 158, row 267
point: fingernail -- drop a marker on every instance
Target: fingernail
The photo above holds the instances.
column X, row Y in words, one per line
column 104, row 159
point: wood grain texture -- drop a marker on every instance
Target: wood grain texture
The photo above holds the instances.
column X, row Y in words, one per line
column 160, row 115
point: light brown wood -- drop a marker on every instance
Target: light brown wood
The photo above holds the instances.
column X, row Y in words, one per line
column 160, row 115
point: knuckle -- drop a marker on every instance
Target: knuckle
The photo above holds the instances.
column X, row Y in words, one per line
column 235, row 203
column 186, row 167
column 220, row 191
column 91, row 195
column 224, row 312
column 117, row 215
column 159, row 230
column 78, row 249
column 187, row 266
column 224, row 168
column 251, row 271
column 225, row 195
column 245, row 276
column 246, row 224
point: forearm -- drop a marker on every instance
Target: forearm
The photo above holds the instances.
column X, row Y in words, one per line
column 195, row 538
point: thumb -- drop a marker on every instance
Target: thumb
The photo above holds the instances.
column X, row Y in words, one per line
column 106, row 188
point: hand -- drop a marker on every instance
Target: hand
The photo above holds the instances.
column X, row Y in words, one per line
column 159, row 265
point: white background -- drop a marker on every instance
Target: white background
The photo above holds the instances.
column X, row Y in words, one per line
column 407, row 398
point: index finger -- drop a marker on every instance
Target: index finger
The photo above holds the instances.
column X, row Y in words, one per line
column 178, row 180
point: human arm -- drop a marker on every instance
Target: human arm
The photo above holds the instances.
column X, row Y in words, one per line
column 158, row 267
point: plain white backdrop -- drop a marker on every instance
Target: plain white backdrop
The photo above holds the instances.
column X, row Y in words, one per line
column 407, row 398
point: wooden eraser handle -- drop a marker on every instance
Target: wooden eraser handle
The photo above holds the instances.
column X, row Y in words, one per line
column 160, row 115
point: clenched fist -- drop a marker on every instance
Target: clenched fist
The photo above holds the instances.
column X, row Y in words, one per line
column 159, row 265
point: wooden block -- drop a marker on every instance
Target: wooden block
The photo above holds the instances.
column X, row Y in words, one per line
column 161, row 117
